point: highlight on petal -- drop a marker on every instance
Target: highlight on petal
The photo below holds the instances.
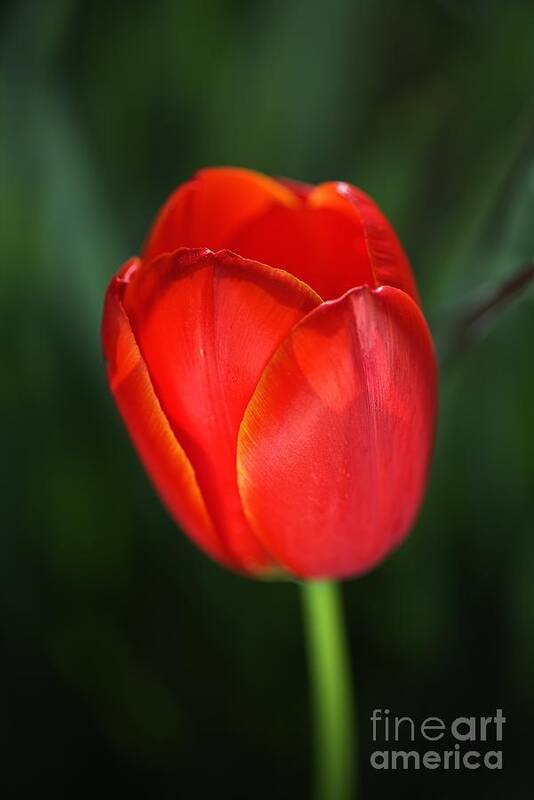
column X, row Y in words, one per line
column 207, row 324
column 384, row 252
column 149, row 429
column 211, row 209
column 334, row 445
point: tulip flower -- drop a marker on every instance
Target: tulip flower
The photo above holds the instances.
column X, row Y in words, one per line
column 272, row 364
column 270, row 359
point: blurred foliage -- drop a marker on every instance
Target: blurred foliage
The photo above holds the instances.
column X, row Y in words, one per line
column 129, row 661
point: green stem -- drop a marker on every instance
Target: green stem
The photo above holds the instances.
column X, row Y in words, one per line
column 330, row 679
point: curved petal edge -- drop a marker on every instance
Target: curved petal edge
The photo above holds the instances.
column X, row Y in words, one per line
column 384, row 252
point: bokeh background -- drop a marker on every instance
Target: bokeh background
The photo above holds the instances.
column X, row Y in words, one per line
column 129, row 663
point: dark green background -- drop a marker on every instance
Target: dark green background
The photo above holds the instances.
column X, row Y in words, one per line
column 129, row 662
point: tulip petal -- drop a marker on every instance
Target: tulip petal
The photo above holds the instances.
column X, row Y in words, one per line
column 384, row 252
column 334, row 446
column 320, row 246
column 164, row 459
column 210, row 209
column 332, row 237
column 335, row 240
column 207, row 324
column 299, row 189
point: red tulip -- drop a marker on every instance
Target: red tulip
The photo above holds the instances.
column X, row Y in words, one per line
column 275, row 372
